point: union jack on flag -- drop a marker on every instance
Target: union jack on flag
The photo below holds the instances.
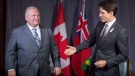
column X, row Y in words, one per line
column 82, row 34
column 82, row 28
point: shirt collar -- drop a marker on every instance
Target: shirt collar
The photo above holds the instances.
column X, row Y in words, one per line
column 30, row 27
column 111, row 23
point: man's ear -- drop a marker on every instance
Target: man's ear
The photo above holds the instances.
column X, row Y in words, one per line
column 111, row 13
column 26, row 18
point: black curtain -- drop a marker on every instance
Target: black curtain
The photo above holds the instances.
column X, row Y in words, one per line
column 2, row 35
column 15, row 10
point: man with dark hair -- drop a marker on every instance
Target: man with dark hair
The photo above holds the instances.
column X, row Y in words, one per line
column 29, row 48
column 111, row 43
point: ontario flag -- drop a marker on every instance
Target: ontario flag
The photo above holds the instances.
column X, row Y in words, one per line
column 60, row 37
column 82, row 34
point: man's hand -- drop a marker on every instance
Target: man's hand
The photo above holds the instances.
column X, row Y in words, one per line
column 12, row 73
column 70, row 50
column 100, row 63
column 57, row 71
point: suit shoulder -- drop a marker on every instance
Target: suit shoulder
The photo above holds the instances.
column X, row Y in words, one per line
column 44, row 28
column 121, row 30
column 18, row 28
column 48, row 30
column 100, row 23
column 120, row 27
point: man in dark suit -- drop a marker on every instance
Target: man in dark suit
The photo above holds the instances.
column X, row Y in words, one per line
column 111, row 43
column 29, row 48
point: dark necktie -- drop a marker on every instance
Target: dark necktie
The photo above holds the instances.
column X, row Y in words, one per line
column 103, row 33
column 36, row 37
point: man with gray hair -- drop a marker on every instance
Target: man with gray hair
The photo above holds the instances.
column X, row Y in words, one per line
column 29, row 48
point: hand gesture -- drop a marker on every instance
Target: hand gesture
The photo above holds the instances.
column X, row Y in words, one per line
column 70, row 50
column 57, row 71
column 100, row 63
column 12, row 73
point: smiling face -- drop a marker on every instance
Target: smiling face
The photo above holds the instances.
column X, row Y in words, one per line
column 105, row 16
column 32, row 17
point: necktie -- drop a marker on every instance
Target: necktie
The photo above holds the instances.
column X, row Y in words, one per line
column 35, row 35
column 103, row 33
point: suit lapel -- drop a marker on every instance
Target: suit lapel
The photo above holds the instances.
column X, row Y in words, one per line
column 110, row 31
column 42, row 36
column 28, row 32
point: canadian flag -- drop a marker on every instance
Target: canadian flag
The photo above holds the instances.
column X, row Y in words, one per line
column 60, row 37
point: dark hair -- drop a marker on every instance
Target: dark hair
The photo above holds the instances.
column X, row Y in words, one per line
column 109, row 5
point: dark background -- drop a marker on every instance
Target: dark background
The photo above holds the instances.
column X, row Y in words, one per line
column 12, row 15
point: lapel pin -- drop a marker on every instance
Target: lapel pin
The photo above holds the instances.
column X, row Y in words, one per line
column 111, row 29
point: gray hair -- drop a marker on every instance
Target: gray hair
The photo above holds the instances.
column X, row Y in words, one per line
column 29, row 8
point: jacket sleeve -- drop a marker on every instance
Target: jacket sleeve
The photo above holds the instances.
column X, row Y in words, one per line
column 10, row 55
column 55, row 52
column 91, row 40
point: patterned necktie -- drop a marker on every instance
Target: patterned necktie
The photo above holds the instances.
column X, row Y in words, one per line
column 103, row 33
column 36, row 37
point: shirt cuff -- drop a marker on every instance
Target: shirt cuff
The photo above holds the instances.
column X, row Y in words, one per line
column 11, row 69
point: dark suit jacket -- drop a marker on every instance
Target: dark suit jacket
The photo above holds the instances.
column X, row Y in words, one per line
column 26, row 57
column 113, row 49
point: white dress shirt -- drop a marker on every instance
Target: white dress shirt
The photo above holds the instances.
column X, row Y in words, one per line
column 37, row 30
column 109, row 26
